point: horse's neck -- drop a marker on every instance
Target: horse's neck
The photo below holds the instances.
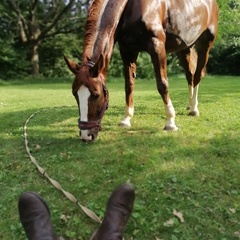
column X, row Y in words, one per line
column 99, row 36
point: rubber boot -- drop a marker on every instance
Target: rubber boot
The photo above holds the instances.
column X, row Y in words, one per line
column 35, row 217
column 118, row 210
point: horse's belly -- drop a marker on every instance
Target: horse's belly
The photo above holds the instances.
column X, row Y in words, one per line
column 174, row 43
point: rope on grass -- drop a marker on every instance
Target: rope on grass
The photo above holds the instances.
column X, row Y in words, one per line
column 70, row 196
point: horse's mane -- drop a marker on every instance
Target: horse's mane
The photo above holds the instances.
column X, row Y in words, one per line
column 90, row 28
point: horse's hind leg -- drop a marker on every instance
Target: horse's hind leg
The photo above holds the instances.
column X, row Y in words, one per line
column 188, row 60
column 129, row 63
column 202, row 46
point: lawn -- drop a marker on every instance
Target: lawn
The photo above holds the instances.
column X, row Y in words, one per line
column 195, row 170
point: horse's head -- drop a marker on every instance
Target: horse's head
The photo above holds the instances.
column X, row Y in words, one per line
column 91, row 95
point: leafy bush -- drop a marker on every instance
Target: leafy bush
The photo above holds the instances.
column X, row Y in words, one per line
column 225, row 59
column 15, row 60
column 51, row 54
column 144, row 65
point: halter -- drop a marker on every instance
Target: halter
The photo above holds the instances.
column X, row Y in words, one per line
column 85, row 125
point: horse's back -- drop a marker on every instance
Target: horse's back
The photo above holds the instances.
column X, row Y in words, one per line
column 183, row 21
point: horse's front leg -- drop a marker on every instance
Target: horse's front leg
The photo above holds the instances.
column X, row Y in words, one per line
column 158, row 56
column 129, row 62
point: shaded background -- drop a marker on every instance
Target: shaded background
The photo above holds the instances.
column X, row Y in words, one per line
column 34, row 36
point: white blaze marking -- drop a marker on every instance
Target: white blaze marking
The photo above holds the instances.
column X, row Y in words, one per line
column 83, row 95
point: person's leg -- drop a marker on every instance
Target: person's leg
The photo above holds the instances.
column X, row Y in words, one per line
column 118, row 210
column 35, row 217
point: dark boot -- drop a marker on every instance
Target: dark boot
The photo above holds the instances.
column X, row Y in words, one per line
column 118, row 211
column 35, row 217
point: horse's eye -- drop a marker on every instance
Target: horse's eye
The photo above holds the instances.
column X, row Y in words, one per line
column 95, row 96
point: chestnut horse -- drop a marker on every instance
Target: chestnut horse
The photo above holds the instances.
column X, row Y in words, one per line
column 185, row 27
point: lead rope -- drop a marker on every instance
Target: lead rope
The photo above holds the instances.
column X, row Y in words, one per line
column 70, row 196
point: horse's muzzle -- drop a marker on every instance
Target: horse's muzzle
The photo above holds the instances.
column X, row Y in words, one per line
column 89, row 135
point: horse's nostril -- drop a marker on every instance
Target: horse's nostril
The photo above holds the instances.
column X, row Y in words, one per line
column 93, row 137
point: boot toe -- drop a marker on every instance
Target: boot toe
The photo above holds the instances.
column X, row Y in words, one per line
column 35, row 217
column 123, row 196
column 31, row 200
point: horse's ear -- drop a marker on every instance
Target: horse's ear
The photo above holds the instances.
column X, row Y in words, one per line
column 98, row 67
column 71, row 65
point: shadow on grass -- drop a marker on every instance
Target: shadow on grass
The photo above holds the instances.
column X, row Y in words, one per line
column 169, row 171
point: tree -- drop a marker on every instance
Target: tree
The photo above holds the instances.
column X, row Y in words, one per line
column 34, row 34
column 35, row 21
column 225, row 56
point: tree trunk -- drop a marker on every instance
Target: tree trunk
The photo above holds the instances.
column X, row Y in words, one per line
column 34, row 55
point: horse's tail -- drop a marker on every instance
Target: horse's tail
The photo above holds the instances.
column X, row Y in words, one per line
column 193, row 62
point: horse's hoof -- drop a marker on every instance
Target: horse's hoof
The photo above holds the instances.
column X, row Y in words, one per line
column 194, row 113
column 170, row 128
column 123, row 124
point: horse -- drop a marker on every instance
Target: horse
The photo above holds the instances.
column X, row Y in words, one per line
column 185, row 27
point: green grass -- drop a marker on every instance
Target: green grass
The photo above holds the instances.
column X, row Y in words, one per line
column 195, row 170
